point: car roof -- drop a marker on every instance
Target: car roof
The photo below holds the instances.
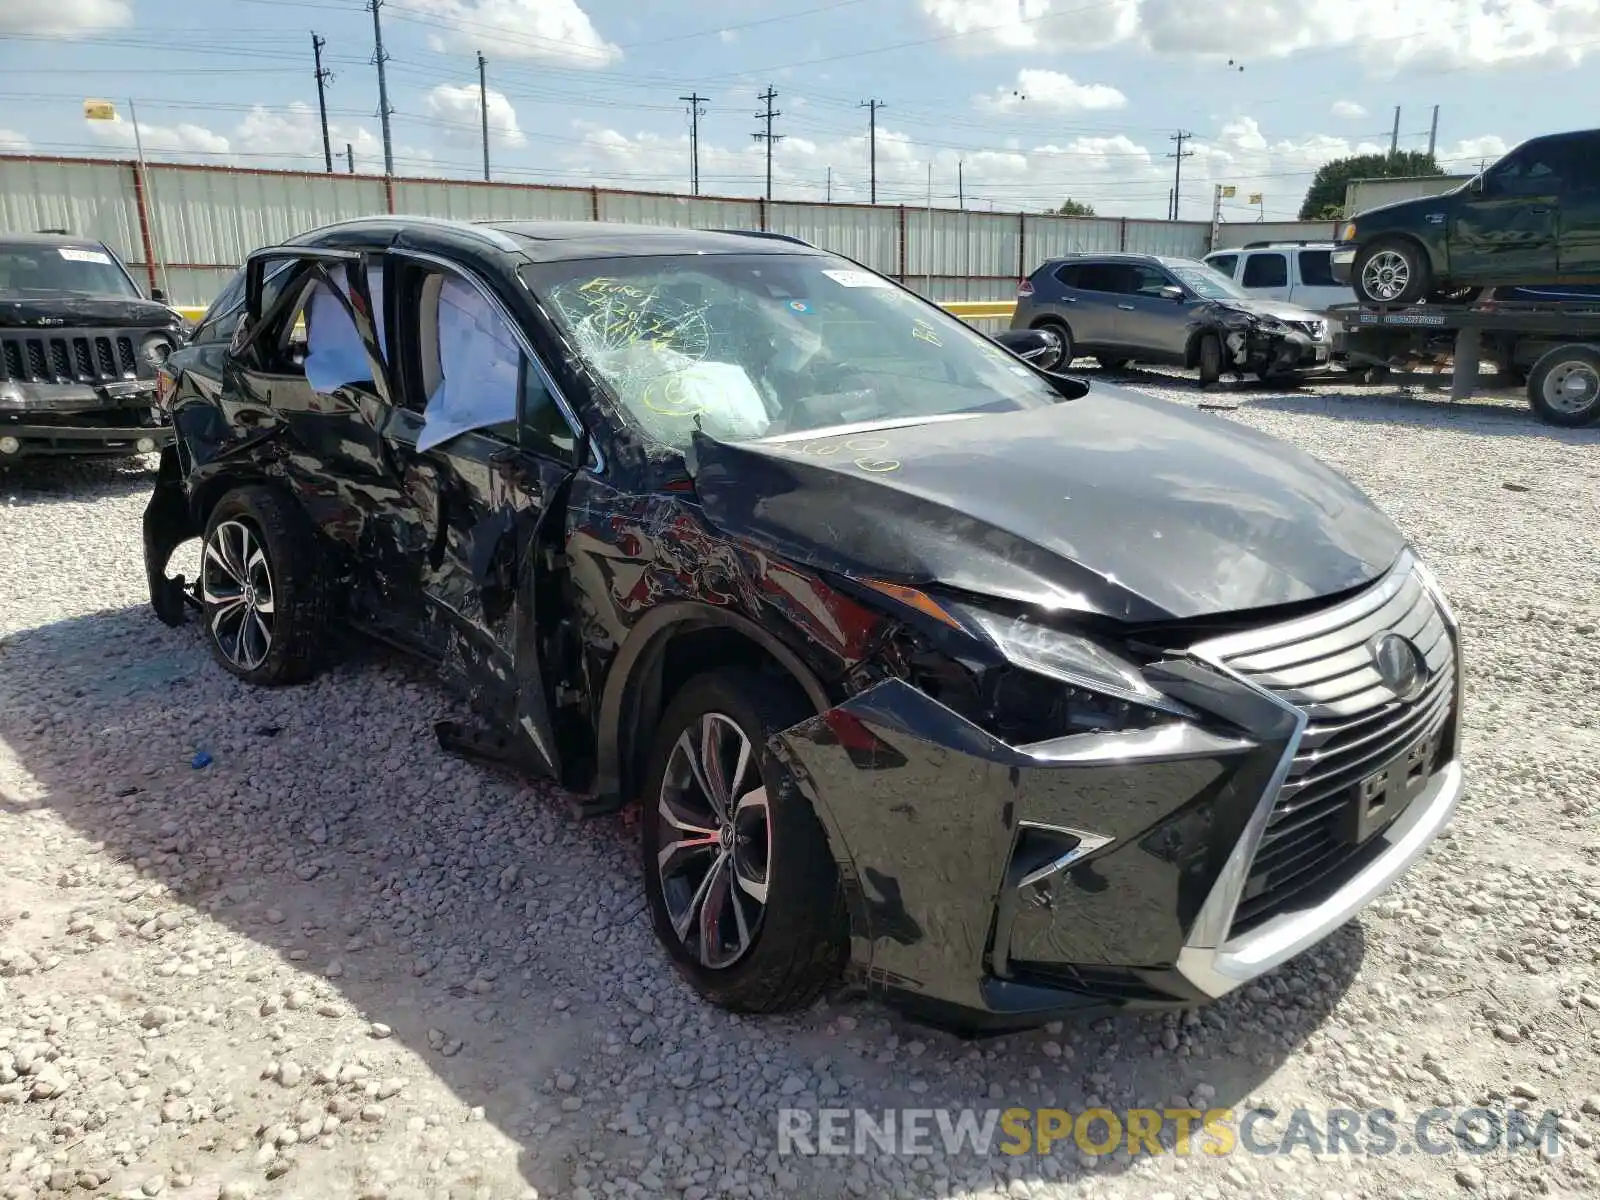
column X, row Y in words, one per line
column 1254, row 246
column 49, row 239
column 550, row 241
column 1090, row 256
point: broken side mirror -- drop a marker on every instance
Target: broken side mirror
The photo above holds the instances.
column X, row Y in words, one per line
column 1041, row 348
column 158, row 294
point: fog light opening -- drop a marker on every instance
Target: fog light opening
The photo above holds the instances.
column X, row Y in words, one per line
column 10, row 445
column 146, row 445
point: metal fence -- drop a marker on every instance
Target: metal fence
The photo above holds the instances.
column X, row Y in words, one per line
column 187, row 228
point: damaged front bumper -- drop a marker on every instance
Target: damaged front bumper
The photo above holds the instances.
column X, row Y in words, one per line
column 69, row 419
column 994, row 886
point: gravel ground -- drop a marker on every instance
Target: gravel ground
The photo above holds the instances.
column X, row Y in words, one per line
column 335, row 962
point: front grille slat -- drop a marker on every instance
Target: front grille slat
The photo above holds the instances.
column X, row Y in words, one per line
column 92, row 356
column 1355, row 726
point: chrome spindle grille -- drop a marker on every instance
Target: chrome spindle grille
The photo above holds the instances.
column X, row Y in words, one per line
column 1356, row 729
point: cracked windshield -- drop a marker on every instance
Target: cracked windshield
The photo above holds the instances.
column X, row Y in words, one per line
column 750, row 346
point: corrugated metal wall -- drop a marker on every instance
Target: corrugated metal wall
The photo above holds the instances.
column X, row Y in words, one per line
column 204, row 220
column 1230, row 236
column 1362, row 194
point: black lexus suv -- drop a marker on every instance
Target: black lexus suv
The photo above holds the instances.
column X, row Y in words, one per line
column 79, row 348
column 1008, row 695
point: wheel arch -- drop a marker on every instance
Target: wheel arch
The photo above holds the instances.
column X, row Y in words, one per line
column 1438, row 262
column 667, row 648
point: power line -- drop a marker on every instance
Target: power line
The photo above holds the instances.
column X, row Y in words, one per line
column 384, row 109
column 324, row 77
column 1179, row 155
column 768, row 137
column 872, row 107
column 694, row 100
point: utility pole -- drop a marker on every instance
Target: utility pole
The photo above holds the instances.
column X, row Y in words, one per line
column 830, row 185
column 694, row 100
column 1394, row 138
column 768, row 137
column 961, row 186
column 483, row 113
column 872, row 107
column 1433, row 133
column 379, row 57
column 324, row 77
column 350, row 157
column 1179, row 155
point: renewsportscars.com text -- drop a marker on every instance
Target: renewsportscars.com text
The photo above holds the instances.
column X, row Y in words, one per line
column 1215, row 1132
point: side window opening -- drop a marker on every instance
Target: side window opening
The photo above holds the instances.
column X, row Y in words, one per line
column 1224, row 263
column 476, row 377
column 1266, row 270
column 1316, row 268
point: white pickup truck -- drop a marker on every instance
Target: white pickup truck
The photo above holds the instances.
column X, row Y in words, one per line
column 1298, row 272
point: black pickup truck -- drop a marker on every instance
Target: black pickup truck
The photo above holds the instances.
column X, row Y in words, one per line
column 79, row 350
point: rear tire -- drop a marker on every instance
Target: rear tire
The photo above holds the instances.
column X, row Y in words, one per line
column 1564, row 386
column 742, row 887
column 1069, row 347
column 1392, row 271
column 263, row 588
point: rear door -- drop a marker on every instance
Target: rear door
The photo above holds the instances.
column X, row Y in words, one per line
column 1507, row 233
column 1088, row 302
column 1314, row 284
column 1266, row 275
column 484, row 445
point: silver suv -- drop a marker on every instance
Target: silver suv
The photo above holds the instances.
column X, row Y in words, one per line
column 1148, row 308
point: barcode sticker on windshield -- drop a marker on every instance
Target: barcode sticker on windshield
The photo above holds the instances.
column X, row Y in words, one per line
column 94, row 256
column 855, row 279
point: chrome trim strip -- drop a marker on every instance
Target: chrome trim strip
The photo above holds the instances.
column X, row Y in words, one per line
column 1088, row 843
column 806, row 435
column 568, row 413
column 1218, row 971
column 1171, row 741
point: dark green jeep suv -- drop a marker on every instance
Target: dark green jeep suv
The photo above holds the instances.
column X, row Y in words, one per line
column 1532, row 218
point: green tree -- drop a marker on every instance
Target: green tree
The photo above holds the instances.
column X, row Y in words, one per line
column 1325, row 200
column 1074, row 208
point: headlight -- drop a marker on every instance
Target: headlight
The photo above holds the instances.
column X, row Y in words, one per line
column 155, row 348
column 1349, row 233
column 1073, row 659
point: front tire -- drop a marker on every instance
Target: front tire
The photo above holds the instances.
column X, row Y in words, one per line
column 1208, row 357
column 1392, row 272
column 262, row 588
column 1564, row 386
column 742, row 888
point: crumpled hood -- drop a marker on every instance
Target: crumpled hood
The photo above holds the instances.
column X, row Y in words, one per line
column 80, row 311
column 1280, row 310
column 1115, row 504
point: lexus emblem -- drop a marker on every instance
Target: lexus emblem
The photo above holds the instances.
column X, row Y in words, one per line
column 1399, row 665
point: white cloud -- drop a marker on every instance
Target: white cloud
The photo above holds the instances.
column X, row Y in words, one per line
column 1050, row 92
column 459, row 105
column 1348, row 110
column 64, row 18
column 727, row 37
column 1386, row 35
column 550, row 30
column 1466, row 155
column 13, row 142
column 1119, row 175
column 287, row 139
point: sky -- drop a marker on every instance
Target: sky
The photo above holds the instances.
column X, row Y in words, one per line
column 1015, row 104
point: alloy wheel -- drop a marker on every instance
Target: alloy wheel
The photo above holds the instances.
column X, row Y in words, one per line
column 1386, row 275
column 715, row 834
column 1572, row 387
column 236, row 585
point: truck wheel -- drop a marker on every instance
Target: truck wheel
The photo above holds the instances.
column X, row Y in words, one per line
column 1564, row 386
column 263, row 589
column 742, row 887
column 1391, row 272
